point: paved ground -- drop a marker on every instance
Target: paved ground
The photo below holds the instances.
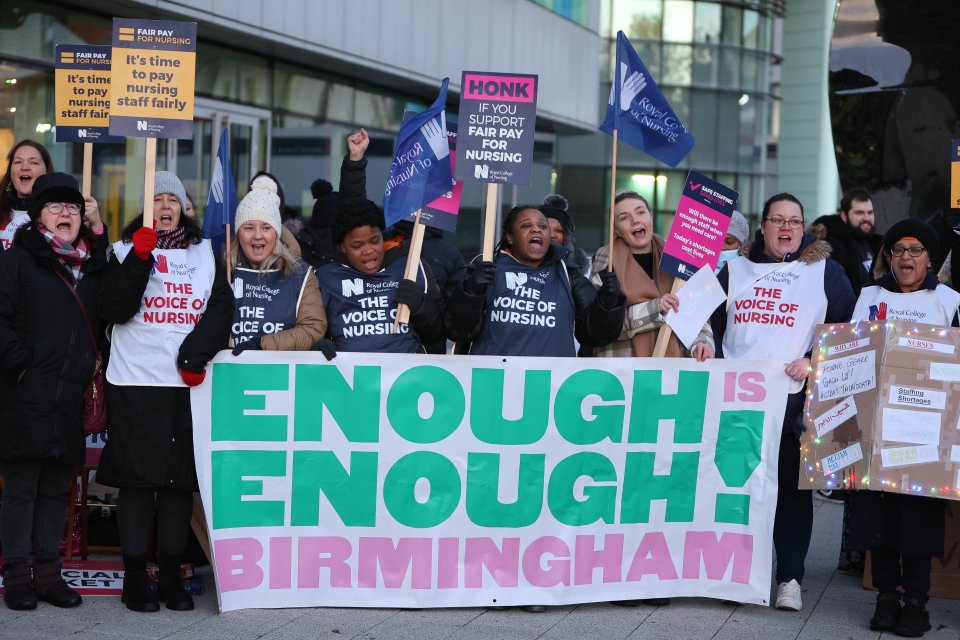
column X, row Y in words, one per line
column 835, row 608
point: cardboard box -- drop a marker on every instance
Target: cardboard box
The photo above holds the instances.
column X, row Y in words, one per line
column 882, row 409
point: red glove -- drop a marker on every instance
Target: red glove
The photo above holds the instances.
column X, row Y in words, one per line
column 144, row 241
column 192, row 379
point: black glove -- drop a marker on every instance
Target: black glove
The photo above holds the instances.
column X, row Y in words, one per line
column 609, row 292
column 327, row 348
column 410, row 294
column 253, row 344
column 479, row 277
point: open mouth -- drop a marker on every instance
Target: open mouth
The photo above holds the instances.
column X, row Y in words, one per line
column 639, row 233
column 63, row 226
column 165, row 218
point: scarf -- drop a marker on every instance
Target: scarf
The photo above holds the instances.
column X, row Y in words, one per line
column 637, row 286
column 70, row 256
column 172, row 238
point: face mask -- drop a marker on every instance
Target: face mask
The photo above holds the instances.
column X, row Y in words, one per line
column 725, row 257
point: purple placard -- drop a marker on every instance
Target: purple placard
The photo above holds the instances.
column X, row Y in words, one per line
column 498, row 114
column 443, row 212
column 699, row 226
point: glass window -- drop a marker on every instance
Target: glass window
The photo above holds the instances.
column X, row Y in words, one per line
column 751, row 29
column 703, row 124
column 678, row 21
column 30, row 30
column 706, row 23
column 340, row 103
column 232, row 75
column 299, row 93
column 706, row 66
column 677, row 64
column 377, row 110
column 730, row 68
column 732, row 25
column 679, row 99
column 638, row 19
column 649, row 52
column 728, row 127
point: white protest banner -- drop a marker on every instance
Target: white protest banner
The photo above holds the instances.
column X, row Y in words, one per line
column 390, row 480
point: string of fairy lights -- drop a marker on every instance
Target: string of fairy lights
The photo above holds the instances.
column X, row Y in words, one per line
column 846, row 478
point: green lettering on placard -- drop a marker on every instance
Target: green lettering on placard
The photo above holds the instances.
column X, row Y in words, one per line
column 356, row 409
column 739, row 437
column 483, row 480
column 486, row 407
column 229, row 401
column 599, row 503
column 641, row 486
column 230, row 510
column 399, row 489
column 403, row 403
column 607, row 421
column 686, row 407
column 353, row 494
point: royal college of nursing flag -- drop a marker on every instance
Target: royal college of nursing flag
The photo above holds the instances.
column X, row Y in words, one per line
column 420, row 172
column 641, row 115
column 222, row 201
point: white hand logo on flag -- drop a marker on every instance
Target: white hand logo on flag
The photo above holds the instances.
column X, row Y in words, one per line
column 436, row 138
column 630, row 87
column 216, row 182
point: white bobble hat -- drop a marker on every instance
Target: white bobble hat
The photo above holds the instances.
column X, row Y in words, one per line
column 261, row 203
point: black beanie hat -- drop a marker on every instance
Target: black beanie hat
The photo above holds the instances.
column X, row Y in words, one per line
column 54, row 187
column 555, row 206
column 911, row 228
column 326, row 203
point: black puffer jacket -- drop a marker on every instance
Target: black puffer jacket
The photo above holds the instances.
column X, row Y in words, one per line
column 151, row 427
column 47, row 358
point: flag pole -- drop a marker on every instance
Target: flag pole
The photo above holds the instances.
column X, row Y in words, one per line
column 228, row 256
column 413, row 265
column 613, row 195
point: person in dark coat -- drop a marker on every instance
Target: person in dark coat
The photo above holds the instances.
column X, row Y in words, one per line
column 171, row 308
column 851, row 236
column 47, row 360
column 562, row 228
column 902, row 532
column 528, row 266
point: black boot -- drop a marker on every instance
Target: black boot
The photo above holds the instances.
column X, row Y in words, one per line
column 137, row 594
column 914, row 619
column 887, row 614
column 51, row 586
column 171, row 587
column 18, row 591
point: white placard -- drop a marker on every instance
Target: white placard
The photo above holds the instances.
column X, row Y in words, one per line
column 835, row 416
column 846, row 376
column 945, row 371
column 841, row 459
column 955, row 454
column 904, row 456
column 905, row 425
column 925, row 345
column 847, row 346
column 913, row 397
column 700, row 295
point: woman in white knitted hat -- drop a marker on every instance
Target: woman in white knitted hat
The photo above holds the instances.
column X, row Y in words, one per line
column 168, row 299
column 277, row 297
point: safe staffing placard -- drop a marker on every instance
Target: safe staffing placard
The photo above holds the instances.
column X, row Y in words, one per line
column 82, row 93
column 152, row 78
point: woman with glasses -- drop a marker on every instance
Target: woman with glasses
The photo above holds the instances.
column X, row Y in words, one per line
column 780, row 288
column 902, row 532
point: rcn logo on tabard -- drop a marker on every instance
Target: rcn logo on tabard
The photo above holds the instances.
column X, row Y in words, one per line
column 481, row 171
column 515, row 280
column 352, row 288
column 81, row 133
column 238, row 288
column 160, row 265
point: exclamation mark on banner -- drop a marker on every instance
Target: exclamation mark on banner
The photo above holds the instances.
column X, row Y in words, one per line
column 737, row 456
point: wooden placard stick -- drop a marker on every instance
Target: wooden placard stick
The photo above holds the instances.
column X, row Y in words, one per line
column 149, row 168
column 87, row 169
column 490, row 220
column 228, row 256
column 613, row 196
column 663, row 337
column 413, row 265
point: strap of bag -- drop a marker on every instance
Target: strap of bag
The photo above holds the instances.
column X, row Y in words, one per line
column 83, row 311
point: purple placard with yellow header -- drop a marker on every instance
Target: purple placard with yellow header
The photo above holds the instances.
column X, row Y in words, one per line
column 699, row 226
column 82, row 93
column 152, row 78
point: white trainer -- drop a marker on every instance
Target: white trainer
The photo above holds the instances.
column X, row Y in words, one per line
column 788, row 596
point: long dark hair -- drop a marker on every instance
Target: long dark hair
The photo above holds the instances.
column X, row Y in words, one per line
column 510, row 219
column 7, row 191
column 194, row 232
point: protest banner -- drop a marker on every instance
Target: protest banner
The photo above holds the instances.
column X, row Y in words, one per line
column 498, row 115
column 82, row 100
column 955, row 174
column 381, row 480
column 882, row 412
column 152, row 86
column 442, row 213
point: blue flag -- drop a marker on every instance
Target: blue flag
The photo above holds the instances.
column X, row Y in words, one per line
column 420, row 172
column 222, row 201
column 641, row 115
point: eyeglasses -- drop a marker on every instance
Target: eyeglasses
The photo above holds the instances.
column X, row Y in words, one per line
column 916, row 252
column 56, row 207
column 793, row 223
